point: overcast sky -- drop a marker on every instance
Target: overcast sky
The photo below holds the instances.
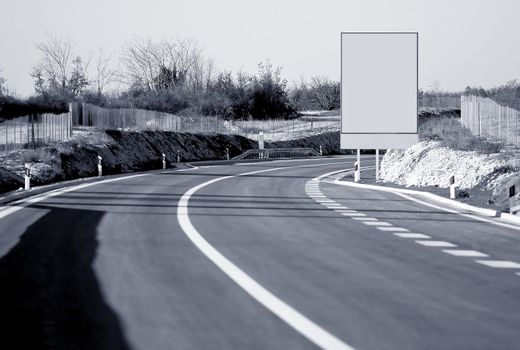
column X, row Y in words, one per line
column 461, row 43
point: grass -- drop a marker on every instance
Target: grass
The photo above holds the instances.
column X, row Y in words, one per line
column 455, row 135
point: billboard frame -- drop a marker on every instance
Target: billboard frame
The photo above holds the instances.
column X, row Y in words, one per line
column 406, row 138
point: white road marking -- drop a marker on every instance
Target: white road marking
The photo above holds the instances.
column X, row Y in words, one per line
column 337, row 207
column 412, row 235
column 436, row 243
column 353, row 214
column 346, row 210
column 22, row 203
column 285, row 312
column 393, row 229
column 452, row 211
column 468, row 253
column 501, row 264
column 376, row 223
column 324, row 201
column 365, row 219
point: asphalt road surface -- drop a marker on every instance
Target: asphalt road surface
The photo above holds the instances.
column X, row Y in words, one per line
column 210, row 258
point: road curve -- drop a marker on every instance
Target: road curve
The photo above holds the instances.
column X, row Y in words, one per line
column 109, row 266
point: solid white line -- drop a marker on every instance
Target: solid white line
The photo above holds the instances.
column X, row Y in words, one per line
column 400, row 192
column 501, row 264
column 436, row 243
column 468, row 253
column 412, row 235
column 22, row 203
column 393, row 229
column 292, row 317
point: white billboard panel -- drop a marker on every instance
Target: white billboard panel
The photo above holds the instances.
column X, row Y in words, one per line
column 379, row 90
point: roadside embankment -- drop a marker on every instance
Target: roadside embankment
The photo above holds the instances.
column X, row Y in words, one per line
column 483, row 179
column 129, row 151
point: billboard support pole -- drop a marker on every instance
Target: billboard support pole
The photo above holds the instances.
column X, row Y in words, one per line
column 377, row 164
column 357, row 170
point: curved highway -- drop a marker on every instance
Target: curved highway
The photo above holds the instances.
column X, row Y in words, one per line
column 253, row 256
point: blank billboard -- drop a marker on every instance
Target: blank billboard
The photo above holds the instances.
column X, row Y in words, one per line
column 378, row 90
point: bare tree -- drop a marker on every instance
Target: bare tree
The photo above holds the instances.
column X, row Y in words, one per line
column 104, row 75
column 160, row 65
column 324, row 93
column 56, row 63
column 139, row 59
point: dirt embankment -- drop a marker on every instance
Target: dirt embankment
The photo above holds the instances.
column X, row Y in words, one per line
column 482, row 178
column 124, row 152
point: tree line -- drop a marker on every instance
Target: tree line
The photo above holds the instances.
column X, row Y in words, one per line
column 170, row 75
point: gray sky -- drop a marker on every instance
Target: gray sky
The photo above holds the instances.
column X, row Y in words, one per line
column 460, row 42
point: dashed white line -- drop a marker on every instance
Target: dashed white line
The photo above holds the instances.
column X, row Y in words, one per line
column 393, row 229
column 376, row 223
column 501, row 264
column 412, row 235
column 468, row 253
column 436, row 243
column 365, row 219
column 353, row 214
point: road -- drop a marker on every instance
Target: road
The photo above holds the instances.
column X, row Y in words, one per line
column 208, row 258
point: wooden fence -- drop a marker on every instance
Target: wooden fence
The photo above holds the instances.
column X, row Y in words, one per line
column 485, row 117
column 34, row 130
column 84, row 114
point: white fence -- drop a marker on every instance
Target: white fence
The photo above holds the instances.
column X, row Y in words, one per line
column 34, row 130
column 485, row 117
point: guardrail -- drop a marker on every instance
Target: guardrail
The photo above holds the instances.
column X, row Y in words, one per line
column 270, row 153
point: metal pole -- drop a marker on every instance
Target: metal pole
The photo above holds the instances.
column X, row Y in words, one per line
column 377, row 164
column 357, row 170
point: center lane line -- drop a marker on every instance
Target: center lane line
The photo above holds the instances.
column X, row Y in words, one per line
column 284, row 311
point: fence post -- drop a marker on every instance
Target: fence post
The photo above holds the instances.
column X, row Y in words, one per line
column 479, row 120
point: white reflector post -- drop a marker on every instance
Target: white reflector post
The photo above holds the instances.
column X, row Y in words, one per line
column 379, row 90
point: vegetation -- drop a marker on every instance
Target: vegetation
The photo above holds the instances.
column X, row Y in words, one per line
column 455, row 135
column 320, row 94
column 507, row 94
